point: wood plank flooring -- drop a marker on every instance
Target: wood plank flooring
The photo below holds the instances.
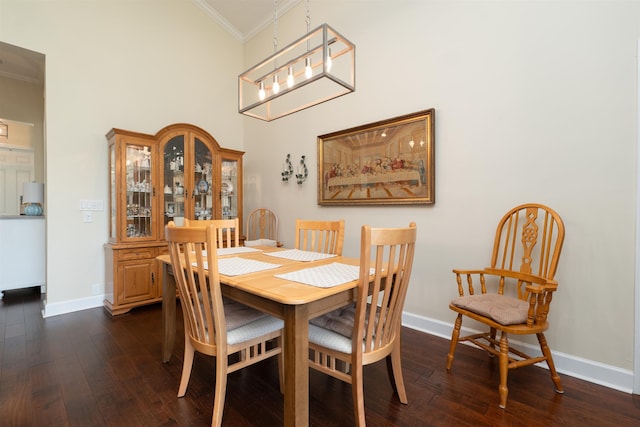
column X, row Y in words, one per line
column 88, row 369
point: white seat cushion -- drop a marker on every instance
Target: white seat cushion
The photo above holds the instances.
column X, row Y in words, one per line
column 503, row 309
column 329, row 339
column 238, row 314
column 262, row 326
column 334, row 330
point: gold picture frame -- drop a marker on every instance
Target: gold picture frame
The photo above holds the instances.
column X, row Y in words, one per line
column 389, row 162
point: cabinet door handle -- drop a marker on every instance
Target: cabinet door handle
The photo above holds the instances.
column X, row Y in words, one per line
column 153, row 278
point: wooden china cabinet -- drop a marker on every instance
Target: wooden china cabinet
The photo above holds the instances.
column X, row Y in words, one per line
column 180, row 172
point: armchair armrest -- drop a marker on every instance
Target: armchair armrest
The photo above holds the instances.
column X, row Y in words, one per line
column 470, row 284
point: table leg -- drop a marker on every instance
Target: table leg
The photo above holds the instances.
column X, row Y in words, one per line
column 296, row 365
column 168, row 312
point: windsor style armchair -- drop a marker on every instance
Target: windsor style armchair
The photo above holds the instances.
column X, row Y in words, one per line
column 514, row 294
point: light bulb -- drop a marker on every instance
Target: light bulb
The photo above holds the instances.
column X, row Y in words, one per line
column 276, row 85
column 329, row 61
column 308, row 71
column 290, row 79
column 261, row 92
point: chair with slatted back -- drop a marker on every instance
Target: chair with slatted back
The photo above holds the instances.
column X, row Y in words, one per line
column 237, row 335
column 344, row 340
column 320, row 236
column 513, row 295
column 228, row 230
column 262, row 228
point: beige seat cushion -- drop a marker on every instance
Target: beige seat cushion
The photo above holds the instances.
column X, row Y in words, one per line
column 504, row 310
column 340, row 320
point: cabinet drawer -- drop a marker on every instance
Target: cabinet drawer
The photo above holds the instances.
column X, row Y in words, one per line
column 137, row 253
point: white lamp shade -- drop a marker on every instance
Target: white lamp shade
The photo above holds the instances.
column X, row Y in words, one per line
column 33, row 192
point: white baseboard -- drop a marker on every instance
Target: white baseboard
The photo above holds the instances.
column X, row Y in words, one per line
column 567, row 364
column 65, row 307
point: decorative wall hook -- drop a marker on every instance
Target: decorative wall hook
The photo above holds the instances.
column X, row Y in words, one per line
column 287, row 169
column 301, row 176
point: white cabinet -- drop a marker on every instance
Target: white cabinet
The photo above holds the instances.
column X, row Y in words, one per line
column 16, row 168
column 22, row 252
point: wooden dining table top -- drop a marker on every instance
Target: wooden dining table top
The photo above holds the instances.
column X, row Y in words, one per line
column 266, row 285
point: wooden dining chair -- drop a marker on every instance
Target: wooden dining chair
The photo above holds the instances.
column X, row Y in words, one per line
column 320, row 236
column 513, row 295
column 236, row 335
column 343, row 341
column 262, row 226
column 228, row 230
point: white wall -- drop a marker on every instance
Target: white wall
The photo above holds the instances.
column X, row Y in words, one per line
column 535, row 102
column 132, row 64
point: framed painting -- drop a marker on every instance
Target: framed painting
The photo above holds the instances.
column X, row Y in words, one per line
column 389, row 162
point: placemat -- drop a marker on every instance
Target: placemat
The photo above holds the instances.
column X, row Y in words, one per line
column 233, row 251
column 324, row 276
column 298, row 255
column 236, row 250
column 236, row 266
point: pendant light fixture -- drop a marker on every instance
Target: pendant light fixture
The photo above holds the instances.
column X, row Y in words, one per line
column 319, row 66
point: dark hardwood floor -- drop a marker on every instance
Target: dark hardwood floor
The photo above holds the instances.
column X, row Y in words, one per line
column 88, row 369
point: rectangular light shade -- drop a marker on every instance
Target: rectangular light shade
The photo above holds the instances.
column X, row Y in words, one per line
column 32, row 192
column 331, row 78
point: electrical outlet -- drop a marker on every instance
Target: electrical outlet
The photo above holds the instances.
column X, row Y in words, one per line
column 87, row 216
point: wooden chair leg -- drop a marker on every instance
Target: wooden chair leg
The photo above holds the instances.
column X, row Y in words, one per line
column 357, row 389
column 504, row 369
column 187, row 364
column 546, row 351
column 396, row 373
column 281, row 367
column 220, row 390
column 454, row 341
column 492, row 334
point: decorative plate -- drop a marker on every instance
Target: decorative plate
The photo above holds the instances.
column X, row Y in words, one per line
column 203, row 186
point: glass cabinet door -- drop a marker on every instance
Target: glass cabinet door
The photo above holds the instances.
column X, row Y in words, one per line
column 139, row 192
column 229, row 189
column 203, row 181
column 173, row 184
column 113, row 216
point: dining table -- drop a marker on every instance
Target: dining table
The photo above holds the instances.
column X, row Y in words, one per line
column 285, row 289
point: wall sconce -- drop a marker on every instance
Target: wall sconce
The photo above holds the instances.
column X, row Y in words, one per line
column 303, row 172
column 4, row 130
column 287, row 169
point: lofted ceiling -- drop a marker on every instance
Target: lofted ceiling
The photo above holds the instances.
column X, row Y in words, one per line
column 241, row 18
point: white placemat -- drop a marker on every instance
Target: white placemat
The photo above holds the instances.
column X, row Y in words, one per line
column 298, row 255
column 236, row 250
column 236, row 266
column 233, row 251
column 325, row 276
